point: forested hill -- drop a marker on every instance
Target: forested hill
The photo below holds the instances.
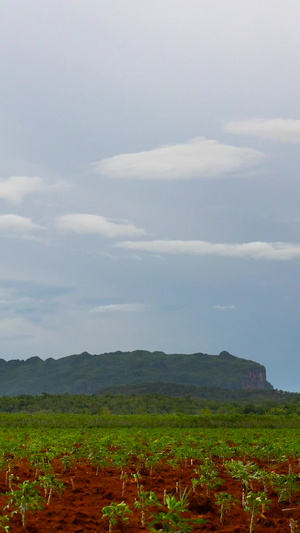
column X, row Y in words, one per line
column 88, row 374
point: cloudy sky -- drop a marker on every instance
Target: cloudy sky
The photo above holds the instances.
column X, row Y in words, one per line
column 149, row 179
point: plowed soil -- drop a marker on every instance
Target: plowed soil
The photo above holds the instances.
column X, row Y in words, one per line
column 79, row 508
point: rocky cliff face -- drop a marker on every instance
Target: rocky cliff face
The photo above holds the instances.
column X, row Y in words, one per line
column 256, row 379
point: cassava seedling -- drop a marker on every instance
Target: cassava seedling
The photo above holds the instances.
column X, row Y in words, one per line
column 145, row 499
column 116, row 512
column 137, row 476
column 208, row 477
column 4, row 523
column 225, row 501
column 246, row 472
column 26, row 498
column 286, row 485
column 256, row 502
column 51, row 484
column 171, row 520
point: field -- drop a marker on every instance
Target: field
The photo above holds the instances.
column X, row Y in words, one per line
column 169, row 479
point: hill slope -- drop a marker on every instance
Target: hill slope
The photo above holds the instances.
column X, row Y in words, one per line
column 87, row 374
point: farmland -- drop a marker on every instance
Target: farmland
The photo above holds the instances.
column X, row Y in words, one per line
column 65, row 478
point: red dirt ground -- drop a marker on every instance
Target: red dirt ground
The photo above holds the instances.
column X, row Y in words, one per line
column 79, row 508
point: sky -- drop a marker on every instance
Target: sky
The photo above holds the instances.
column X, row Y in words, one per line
column 149, row 179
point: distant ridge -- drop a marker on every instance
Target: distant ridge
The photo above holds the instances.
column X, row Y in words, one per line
column 89, row 374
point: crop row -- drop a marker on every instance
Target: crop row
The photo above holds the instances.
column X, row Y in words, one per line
column 117, row 444
column 170, row 477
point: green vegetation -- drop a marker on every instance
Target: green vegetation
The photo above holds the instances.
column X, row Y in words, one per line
column 225, row 501
column 171, row 520
column 208, row 477
column 215, row 455
column 50, row 484
column 118, row 444
column 62, row 420
column 256, row 503
column 145, row 499
column 116, row 512
column 25, row 498
column 211, row 402
column 88, row 374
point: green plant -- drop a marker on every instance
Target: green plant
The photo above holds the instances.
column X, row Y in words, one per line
column 116, row 512
column 98, row 461
column 255, row 503
column 42, row 463
column 4, row 523
column 263, row 476
column 171, row 521
column 246, row 472
column 26, row 498
column 208, row 476
column 137, row 476
column 50, row 484
column 286, row 485
column 225, row 501
column 145, row 499
column 67, row 462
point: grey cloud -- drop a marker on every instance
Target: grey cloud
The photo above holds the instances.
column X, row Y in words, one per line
column 17, row 223
column 279, row 251
column 282, row 130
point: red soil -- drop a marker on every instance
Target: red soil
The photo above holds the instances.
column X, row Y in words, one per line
column 79, row 508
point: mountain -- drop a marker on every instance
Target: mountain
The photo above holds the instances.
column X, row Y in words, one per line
column 89, row 374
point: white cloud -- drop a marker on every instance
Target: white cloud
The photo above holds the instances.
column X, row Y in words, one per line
column 224, row 307
column 256, row 250
column 198, row 158
column 119, row 308
column 17, row 223
column 278, row 129
column 15, row 188
column 84, row 223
